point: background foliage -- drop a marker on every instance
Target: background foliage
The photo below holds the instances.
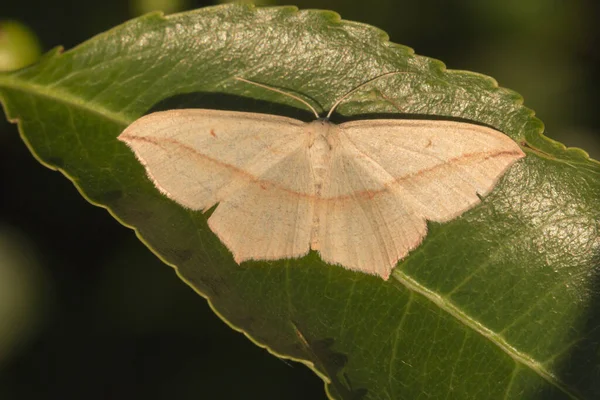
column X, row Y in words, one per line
column 90, row 320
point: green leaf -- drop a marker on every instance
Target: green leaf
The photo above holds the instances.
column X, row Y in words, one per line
column 498, row 303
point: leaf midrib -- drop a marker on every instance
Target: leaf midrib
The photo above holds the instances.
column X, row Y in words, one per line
column 447, row 306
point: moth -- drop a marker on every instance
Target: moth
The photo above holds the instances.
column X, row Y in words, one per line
column 359, row 193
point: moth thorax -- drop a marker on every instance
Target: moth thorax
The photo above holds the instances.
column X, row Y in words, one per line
column 320, row 152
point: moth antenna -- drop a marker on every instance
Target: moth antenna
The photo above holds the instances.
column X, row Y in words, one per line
column 311, row 108
column 344, row 97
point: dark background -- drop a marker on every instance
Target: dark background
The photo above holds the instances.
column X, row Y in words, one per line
column 76, row 320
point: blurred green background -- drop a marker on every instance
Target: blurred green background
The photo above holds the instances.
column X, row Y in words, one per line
column 76, row 321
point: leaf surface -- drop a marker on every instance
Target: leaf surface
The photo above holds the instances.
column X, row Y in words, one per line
column 499, row 303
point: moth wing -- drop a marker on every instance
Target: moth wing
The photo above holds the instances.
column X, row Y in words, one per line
column 387, row 177
column 265, row 220
column 253, row 165
column 193, row 155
